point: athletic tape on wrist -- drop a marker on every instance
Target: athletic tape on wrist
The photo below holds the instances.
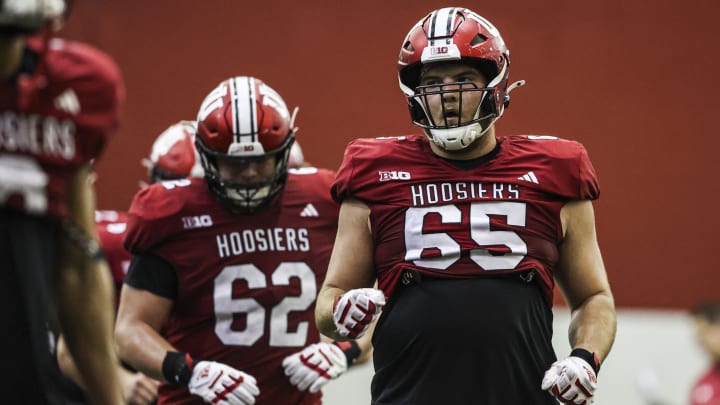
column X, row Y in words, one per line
column 589, row 357
column 83, row 241
column 177, row 368
column 351, row 350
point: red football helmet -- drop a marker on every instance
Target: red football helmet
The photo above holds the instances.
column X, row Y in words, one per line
column 240, row 121
column 173, row 154
column 456, row 34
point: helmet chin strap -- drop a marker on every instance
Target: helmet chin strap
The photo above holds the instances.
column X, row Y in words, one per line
column 452, row 139
column 457, row 138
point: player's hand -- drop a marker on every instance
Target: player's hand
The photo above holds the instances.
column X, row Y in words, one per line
column 138, row 389
column 220, row 384
column 314, row 366
column 571, row 381
column 356, row 309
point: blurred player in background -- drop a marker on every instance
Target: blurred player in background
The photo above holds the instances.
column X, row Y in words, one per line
column 297, row 158
column 137, row 388
column 706, row 317
column 59, row 102
column 467, row 233
column 172, row 156
column 219, row 298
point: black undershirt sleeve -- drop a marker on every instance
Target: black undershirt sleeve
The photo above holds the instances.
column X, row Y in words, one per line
column 154, row 274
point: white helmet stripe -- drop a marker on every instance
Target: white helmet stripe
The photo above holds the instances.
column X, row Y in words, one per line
column 244, row 114
column 442, row 23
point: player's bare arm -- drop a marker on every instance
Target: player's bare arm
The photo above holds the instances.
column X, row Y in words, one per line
column 91, row 317
column 353, row 249
column 137, row 388
column 140, row 317
column 582, row 278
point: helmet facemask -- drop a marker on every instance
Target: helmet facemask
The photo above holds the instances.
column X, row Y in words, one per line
column 243, row 122
column 452, row 114
column 244, row 197
column 455, row 35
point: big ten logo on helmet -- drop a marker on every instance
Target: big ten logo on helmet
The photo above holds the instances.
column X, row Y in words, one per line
column 439, row 50
column 197, row 221
column 387, row 175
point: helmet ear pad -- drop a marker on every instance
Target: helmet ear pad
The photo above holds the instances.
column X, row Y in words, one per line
column 488, row 103
column 416, row 111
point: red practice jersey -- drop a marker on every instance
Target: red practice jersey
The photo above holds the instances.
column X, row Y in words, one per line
column 443, row 221
column 111, row 227
column 706, row 390
column 246, row 283
column 54, row 123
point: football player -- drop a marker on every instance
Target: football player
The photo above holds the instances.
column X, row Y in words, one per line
column 59, row 102
column 297, row 158
column 467, row 233
column 219, row 299
column 706, row 320
column 137, row 388
column 173, row 155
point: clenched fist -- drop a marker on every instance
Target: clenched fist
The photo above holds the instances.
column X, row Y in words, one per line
column 356, row 309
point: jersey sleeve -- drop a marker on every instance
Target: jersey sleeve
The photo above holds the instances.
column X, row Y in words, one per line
column 588, row 187
column 96, row 83
column 566, row 166
column 342, row 186
column 152, row 219
column 582, row 177
column 111, row 232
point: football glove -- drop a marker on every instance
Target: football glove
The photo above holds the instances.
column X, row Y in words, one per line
column 219, row 384
column 314, row 366
column 356, row 309
column 571, row 381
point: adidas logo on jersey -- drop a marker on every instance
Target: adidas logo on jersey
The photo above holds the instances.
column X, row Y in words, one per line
column 67, row 101
column 529, row 176
column 309, row 211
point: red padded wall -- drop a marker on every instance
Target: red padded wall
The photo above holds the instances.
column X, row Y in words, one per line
column 634, row 81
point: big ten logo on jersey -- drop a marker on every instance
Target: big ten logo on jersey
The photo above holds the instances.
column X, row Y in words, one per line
column 197, row 221
column 171, row 184
column 388, row 175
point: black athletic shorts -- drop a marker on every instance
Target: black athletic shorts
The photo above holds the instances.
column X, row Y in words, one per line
column 471, row 341
column 29, row 254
